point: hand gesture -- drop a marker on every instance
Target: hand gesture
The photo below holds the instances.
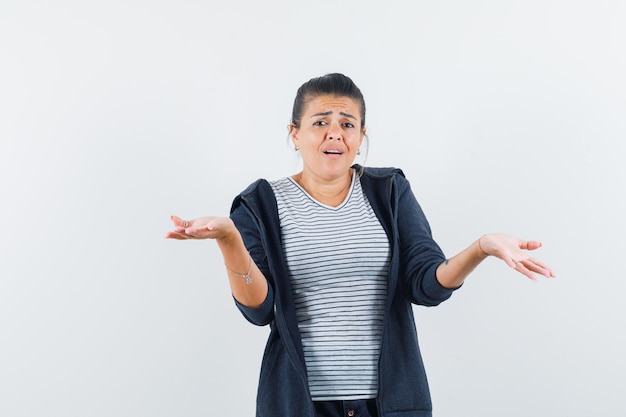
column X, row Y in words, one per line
column 209, row 227
column 514, row 252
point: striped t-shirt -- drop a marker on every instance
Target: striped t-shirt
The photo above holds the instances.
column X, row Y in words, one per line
column 338, row 260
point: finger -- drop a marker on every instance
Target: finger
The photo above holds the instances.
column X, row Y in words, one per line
column 520, row 267
column 192, row 232
column 530, row 244
column 509, row 259
column 177, row 220
column 539, row 267
column 546, row 268
column 181, row 223
column 176, row 235
column 179, row 231
column 511, row 262
column 200, row 232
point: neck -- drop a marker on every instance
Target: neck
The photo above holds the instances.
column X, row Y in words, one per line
column 330, row 192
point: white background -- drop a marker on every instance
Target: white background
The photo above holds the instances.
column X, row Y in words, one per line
column 504, row 115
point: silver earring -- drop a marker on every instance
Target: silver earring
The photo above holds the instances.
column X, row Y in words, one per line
column 296, row 149
column 358, row 152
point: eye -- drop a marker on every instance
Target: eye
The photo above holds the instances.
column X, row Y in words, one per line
column 319, row 123
column 348, row 125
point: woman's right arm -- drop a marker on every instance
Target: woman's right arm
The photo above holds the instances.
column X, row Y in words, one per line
column 248, row 284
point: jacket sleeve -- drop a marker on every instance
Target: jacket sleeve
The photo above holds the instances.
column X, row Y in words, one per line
column 250, row 231
column 420, row 255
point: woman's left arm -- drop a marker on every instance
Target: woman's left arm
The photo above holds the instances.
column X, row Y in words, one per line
column 513, row 251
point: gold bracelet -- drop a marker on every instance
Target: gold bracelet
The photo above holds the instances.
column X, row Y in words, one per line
column 245, row 276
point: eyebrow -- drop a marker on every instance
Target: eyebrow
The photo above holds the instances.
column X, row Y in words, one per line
column 328, row 113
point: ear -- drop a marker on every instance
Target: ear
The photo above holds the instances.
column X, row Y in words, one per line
column 363, row 133
column 293, row 133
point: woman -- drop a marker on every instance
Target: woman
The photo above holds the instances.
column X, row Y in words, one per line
column 332, row 258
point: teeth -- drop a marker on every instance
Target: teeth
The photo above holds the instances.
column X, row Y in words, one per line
column 333, row 151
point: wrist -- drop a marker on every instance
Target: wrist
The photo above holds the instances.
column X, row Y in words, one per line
column 481, row 251
column 231, row 237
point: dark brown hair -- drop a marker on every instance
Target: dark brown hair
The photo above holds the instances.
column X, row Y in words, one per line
column 330, row 84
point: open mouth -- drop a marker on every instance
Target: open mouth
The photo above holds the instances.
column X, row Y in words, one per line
column 333, row 152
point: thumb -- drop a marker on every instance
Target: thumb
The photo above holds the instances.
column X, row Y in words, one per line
column 530, row 245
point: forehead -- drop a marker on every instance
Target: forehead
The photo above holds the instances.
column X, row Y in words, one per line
column 324, row 103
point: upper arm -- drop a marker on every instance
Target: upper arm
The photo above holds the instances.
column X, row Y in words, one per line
column 250, row 232
column 420, row 255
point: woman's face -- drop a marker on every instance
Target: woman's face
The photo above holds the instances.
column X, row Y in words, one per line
column 329, row 136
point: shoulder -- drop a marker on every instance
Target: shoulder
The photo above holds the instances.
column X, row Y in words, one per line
column 257, row 186
column 258, row 193
column 379, row 172
column 382, row 176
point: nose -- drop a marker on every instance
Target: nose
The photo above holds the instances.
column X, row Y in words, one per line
column 334, row 131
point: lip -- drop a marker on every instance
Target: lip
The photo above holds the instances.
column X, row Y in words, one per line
column 333, row 152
